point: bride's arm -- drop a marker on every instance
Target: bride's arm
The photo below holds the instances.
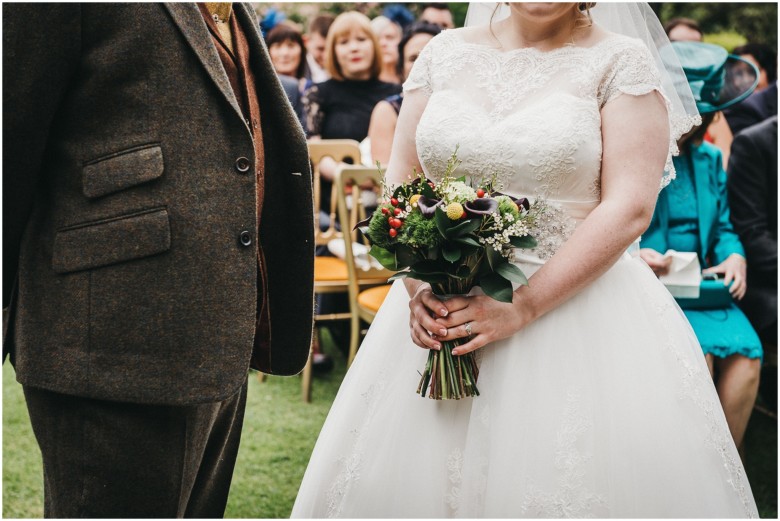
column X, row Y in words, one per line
column 635, row 140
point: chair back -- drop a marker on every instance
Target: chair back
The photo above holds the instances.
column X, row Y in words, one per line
column 340, row 150
column 352, row 211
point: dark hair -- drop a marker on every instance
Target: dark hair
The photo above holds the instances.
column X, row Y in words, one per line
column 687, row 22
column 697, row 136
column 415, row 29
column 283, row 33
column 321, row 24
column 764, row 55
column 441, row 6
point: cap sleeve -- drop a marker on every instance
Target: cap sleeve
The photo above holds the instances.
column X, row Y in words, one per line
column 632, row 71
column 420, row 76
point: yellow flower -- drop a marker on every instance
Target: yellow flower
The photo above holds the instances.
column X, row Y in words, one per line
column 454, row 211
column 413, row 200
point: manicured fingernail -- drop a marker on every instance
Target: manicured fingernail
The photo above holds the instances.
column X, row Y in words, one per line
column 437, row 347
column 443, row 332
column 455, row 352
column 443, row 312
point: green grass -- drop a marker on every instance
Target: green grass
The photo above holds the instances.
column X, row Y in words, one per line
column 278, row 436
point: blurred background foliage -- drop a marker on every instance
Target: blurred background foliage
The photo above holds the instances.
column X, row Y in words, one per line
column 729, row 24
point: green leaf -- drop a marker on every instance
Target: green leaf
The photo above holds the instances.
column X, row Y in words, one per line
column 385, row 257
column 443, row 223
column 526, row 242
column 430, row 267
column 461, row 179
column 512, row 273
column 451, row 252
column 430, row 278
column 398, row 276
column 494, row 258
column 467, row 241
column 497, row 287
column 463, row 272
column 427, row 191
column 405, row 256
column 463, row 228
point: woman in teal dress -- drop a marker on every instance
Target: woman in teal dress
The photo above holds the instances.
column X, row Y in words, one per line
column 692, row 214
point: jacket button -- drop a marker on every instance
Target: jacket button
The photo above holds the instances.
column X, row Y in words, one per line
column 242, row 165
column 245, row 238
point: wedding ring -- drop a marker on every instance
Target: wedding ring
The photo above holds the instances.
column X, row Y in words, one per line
column 467, row 327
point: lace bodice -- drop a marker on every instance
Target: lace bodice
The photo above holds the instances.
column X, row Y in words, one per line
column 530, row 117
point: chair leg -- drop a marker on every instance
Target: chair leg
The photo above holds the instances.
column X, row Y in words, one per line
column 261, row 376
column 306, row 379
column 354, row 337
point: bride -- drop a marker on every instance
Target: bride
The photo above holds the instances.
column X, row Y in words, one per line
column 595, row 397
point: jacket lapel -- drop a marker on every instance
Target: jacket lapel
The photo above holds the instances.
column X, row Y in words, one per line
column 704, row 198
column 189, row 20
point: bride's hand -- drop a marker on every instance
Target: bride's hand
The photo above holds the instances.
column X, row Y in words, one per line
column 424, row 307
column 484, row 319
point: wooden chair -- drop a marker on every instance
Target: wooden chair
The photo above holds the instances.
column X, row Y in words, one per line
column 368, row 284
column 330, row 273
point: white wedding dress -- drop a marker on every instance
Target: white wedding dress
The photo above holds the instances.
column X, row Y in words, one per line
column 601, row 408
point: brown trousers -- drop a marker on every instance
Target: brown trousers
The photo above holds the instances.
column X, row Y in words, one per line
column 105, row 459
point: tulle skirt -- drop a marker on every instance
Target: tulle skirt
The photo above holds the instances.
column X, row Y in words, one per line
column 602, row 408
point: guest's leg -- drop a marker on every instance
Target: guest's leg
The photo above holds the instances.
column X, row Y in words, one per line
column 111, row 459
column 710, row 364
column 737, row 385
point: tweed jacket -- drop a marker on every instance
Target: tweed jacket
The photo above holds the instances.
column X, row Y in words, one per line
column 130, row 241
column 717, row 238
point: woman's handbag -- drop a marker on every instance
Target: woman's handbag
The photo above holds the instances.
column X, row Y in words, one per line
column 712, row 295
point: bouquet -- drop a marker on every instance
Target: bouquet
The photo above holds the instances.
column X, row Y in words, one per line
column 453, row 236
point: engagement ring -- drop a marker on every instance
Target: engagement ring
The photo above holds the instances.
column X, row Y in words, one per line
column 467, row 326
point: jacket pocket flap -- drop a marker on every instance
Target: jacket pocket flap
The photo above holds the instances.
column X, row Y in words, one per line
column 123, row 170
column 110, row 241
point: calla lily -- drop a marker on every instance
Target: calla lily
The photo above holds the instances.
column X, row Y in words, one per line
column 428, row 206
column 522, row 202
column 481, row 207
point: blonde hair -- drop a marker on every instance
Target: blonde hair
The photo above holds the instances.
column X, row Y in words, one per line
column 343, row 24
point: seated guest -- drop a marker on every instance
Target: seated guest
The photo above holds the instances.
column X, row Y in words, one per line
column 752, row 188
column 683, row 30
column 315, row 47
column 340, row 108
column 692, row 215
column 437, row 14
column 288, row 56
column 718, row 132
column 764, row 58
column 385, row 115
column 389, row 34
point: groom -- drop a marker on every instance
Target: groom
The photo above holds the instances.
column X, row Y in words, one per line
column 157, row 243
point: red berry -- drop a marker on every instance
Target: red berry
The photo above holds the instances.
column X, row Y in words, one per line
column 430, row 183
column 480, row 193
column 385, row 211
column 393, row 232
column 463, row 215
column 395, row 223
column 397, row 211
column 394, row 201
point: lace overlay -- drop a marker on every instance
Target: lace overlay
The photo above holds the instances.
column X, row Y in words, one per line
column 350, row 464
column 571, row 499
column 693, row 380
column 484, row 102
